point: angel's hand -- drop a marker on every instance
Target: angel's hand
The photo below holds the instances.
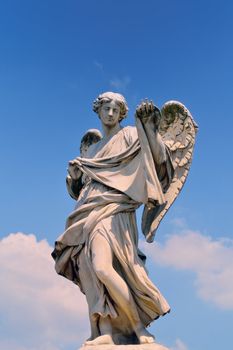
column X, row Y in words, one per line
column 73, row 171
column 149, row 114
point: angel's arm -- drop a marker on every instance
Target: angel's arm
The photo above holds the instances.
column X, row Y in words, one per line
column 157, row 146
column 150, row 117
column 160, row 155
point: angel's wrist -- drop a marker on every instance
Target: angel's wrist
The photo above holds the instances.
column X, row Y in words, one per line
column 152, row 130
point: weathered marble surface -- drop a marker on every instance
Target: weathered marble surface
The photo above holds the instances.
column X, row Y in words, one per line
column 153, row 346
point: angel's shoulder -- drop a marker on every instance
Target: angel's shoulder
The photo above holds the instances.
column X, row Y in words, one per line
column 130, row 134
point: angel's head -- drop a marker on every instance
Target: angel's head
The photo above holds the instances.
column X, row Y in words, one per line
column 112, row 99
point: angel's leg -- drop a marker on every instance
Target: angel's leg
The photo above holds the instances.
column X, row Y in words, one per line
column 117, row 287
column 87, row 288
column 105, row 331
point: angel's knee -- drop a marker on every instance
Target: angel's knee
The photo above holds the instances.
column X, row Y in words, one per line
column 103, row 271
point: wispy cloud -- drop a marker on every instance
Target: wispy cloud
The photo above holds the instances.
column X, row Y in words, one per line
column 179, row 222
column 99, row 65
column 210, row 259
column 40, row 309
column 120, row 84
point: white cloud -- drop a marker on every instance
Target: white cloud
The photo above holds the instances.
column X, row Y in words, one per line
column 211, row 261
column 120, row 84
column 40, row 309
column 43, row 311
column 179, row 345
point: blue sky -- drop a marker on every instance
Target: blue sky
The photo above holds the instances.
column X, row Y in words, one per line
column 55, row 58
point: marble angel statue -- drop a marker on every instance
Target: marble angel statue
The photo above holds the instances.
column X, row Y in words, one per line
column 116, row 173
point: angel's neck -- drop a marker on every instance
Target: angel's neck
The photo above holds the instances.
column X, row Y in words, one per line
column 109, row 131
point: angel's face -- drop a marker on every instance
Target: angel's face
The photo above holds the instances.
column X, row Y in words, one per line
column 109, row 113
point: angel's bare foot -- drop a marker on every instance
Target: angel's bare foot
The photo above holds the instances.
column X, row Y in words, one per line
column 144, row 336
column 101, row 340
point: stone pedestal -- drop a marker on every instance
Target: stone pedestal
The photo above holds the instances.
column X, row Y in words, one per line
column 153, row 346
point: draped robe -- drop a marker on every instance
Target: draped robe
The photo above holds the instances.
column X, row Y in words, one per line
column 120, row 176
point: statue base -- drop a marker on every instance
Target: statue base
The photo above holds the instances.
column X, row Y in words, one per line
column 152, row 346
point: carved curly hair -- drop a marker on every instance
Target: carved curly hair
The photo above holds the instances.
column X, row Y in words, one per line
column 108, row 97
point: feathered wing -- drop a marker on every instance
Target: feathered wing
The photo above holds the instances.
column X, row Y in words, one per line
column 178, row 131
